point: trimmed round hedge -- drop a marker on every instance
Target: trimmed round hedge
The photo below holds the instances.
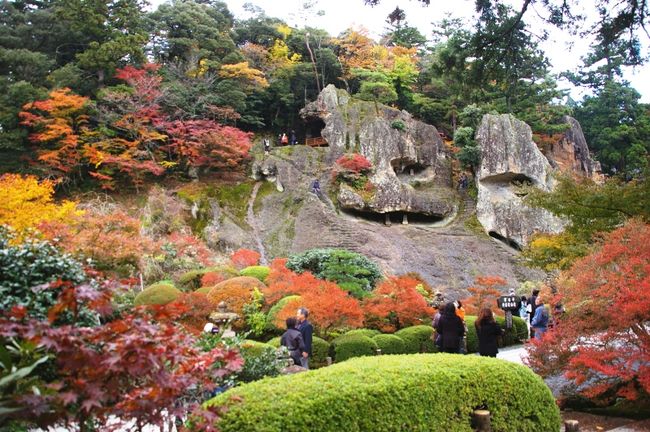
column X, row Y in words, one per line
column 390, row 344
column 258, row 272
column 418, row 339
column 320, row 351
column 348, row 346
column 394, row 393
column 157, row 294
column 272, row 323
column 363, row 332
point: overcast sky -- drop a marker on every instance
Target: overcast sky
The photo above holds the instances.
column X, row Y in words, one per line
column 563, row 50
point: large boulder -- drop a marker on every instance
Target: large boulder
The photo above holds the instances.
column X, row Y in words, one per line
column 570, row 153
column 510, row 158
column 412, row 166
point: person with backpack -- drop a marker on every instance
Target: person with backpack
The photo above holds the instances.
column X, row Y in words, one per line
column 451, row 329
column 292, row 339
column 487, row 331
column 539, row 323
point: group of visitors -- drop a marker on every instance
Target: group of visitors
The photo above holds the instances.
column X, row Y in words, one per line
column 451, row 330
column 298, row 338
column 291, row 139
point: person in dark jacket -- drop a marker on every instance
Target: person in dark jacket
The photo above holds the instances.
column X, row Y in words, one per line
column 292, row 339
column 451, row 329
column 487, row 330
column 307, row 331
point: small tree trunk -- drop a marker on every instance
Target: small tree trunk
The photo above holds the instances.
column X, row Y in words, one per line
column 482, row 421
column 571, row 426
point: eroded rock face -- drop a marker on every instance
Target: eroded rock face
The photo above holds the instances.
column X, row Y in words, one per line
column 571, row 153
column 509, row 157
column 404, row 152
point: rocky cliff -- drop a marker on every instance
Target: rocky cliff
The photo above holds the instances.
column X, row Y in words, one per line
column 412, row 166
column 510, row 159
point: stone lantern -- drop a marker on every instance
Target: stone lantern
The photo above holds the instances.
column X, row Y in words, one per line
column 223, row 320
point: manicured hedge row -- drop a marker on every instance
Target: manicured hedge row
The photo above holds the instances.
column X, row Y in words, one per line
column 348, row 346
column 258, row 272
column 390, row 344
column 394, row 393
column 418, row 339
column 320, row 351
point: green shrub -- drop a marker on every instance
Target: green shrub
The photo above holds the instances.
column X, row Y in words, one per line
column 320, row 351
column 30, row 264
column 260, row 360
column 418, row 339
column 191, row 280
column 394, row 393
column 351, row 270
column 390, row 344
column 363, row 332
column 345, row 347
column 399, row 125
column 471, row 337
column 203, row 290
column 157, row 294
column 258, row 272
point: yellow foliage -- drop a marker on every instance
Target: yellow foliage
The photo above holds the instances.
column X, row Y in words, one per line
column 284, row 30
column 200, row 70
column 25, row 203
column 243, row 72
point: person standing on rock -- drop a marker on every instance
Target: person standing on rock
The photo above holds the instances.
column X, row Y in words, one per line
column 539, row 323
column 307, row 332
column 451, row 329
column 284, row 140
column 293, row 139
column 267, row 145
column 487, row 331
column 292, row 339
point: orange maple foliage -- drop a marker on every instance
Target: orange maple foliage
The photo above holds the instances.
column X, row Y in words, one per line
column 26, row 202
column 58, row 123
column 112, row 240
column 243, row 258
column 485, row 292
column 395, row 304
column 602, row 341
column 235, row 292
column 191, row 310
column 212, row 278
column 331, row 308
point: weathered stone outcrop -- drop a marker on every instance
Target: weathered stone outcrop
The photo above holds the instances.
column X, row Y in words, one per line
column 405, row 153
column 570, row 154
column 509, row 157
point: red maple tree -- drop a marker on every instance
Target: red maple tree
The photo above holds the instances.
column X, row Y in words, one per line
column 396, row 304
column 485, row 292
column 243, row 258
column 602, row 341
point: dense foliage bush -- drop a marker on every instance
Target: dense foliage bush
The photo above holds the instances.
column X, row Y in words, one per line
column 331, row 309
column 363, row 332
column 395, row 393
column 418, row 339
column 260, row 360
column 396, row 303
column 243, row 258
column 157, row 294
column 236, row 293
column 320, row 351
column 258, row 272
column 28, row 269
column 346, row 347
column 279, row 312
column 215, row 275
column 355, row 271
column 390, row 344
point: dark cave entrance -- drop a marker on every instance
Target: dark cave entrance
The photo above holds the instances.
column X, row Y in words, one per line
column 506, row 241
column 313, row 128
column 397, row 217
column 408, row 168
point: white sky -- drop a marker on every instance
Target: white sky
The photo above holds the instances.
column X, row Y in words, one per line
column 563, row 50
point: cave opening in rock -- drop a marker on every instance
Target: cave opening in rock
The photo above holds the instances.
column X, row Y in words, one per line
column 397, row 217
column 313, row 128
column 407, row 167
column 508, row 242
